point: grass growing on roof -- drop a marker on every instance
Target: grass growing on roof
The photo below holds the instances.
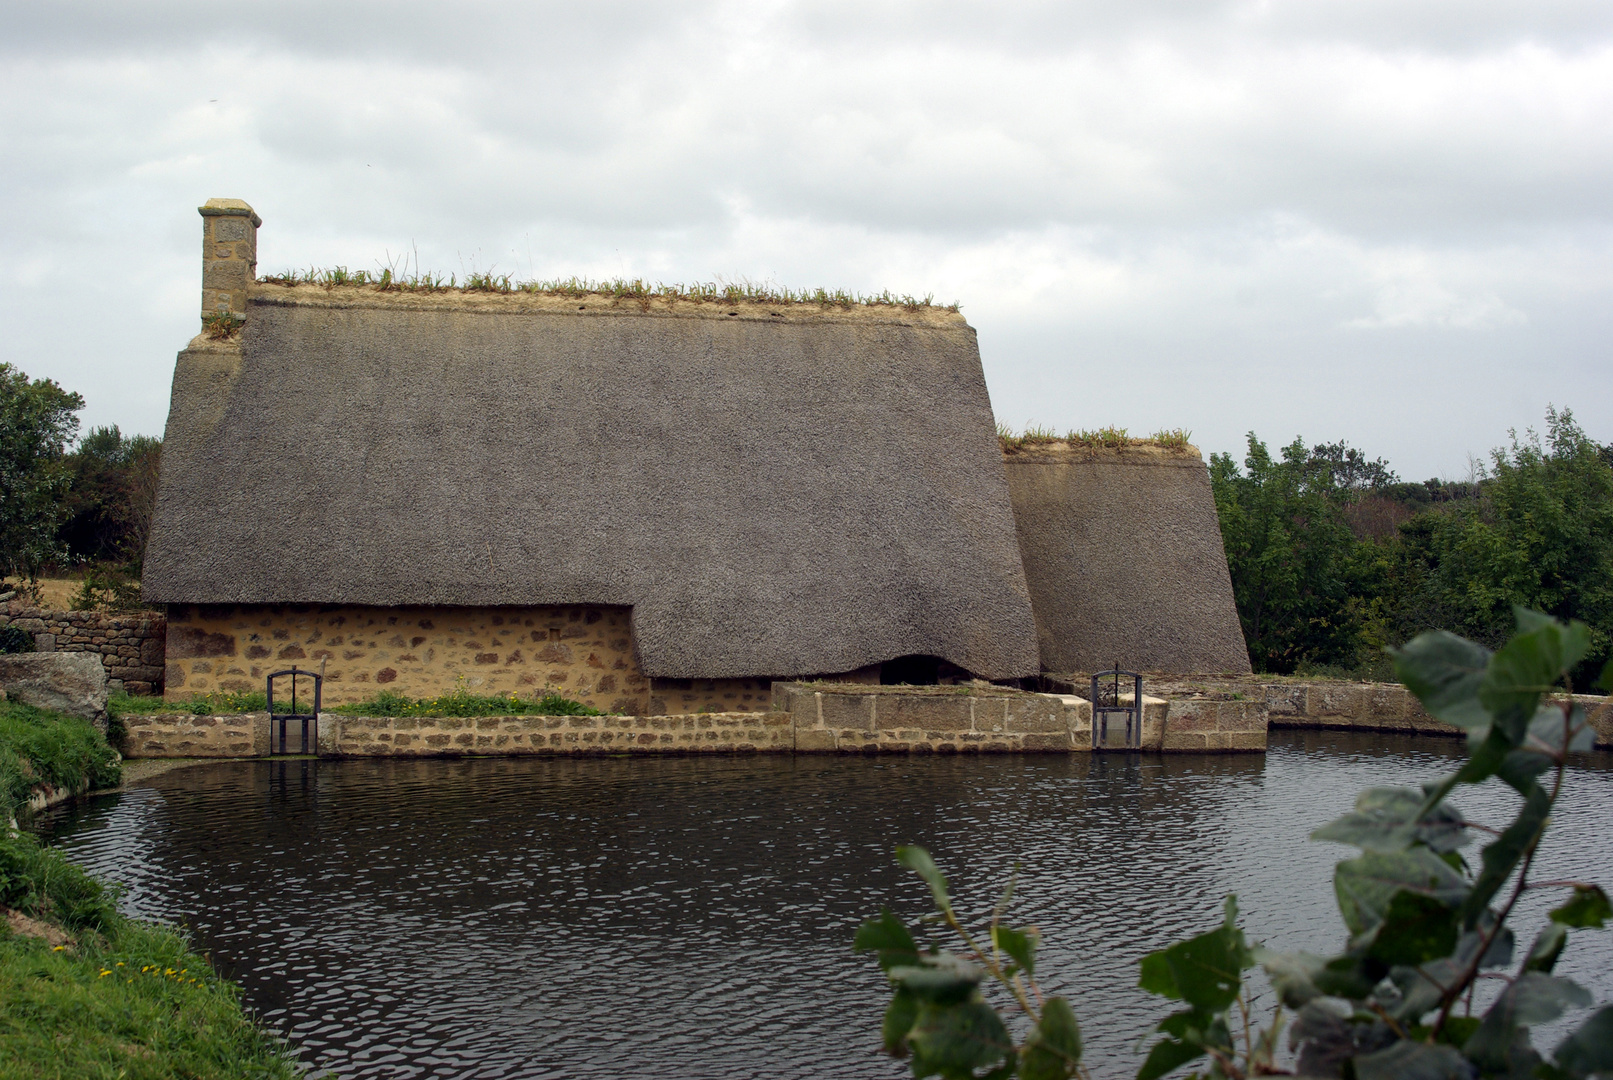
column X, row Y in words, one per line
column 1111, row 437
column 576, row 288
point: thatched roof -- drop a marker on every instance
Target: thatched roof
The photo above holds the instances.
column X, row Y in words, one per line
column 776, row 490
column 1123, row 556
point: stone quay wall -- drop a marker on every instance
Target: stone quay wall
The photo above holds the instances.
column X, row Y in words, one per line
column 806, row 718
column 130, row 646
column 1331, row 704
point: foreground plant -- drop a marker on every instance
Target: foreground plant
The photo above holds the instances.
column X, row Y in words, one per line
column 1430, row 984
column 937, row 1013
column 1427, row 929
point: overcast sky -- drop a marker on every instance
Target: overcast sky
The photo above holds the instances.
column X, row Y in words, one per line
column 1383, row 221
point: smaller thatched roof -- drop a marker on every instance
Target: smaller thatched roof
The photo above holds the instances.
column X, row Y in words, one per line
column 1123, row 557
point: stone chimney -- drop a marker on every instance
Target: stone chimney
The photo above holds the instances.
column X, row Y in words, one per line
column 229, row 256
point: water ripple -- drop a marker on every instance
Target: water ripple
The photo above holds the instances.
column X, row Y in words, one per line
column 691, row 917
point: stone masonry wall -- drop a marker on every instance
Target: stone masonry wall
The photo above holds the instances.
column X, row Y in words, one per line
column 583, row 652
column 130, row 646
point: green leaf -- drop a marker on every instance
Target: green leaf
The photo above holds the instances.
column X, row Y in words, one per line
column 1530, row 664
column 1533, row 998
column 1502, row 855
column 1367, row 884
column 1547, row 948
column 1588, row 907
column 918, row 860
column 943, row 979
column 1053, row 1048
column 1019, row 944
column 1415, row 929
column 1392, row 819
column 1590, row 1049
column 1412, row 1061
column 899, row 1018
column 954, row 1040
column 1204, row 971
column 890, row 937
column 1292, row 975
column 1423, row 988
column 1555, row 734
column 1445, row 671
column 1187, row 1034
column 1521, row 768
column 1166, row 1056
column 1484, row 759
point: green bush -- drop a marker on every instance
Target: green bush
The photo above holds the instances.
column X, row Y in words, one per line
column 14, row 639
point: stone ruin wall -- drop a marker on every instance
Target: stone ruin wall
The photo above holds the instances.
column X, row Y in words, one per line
column 582, row 651
column 130, row 646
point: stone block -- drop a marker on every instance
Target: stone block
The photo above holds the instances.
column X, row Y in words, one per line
column 1037, row 714
column 71, row 683
column 1287, row 700
column 926, row 712
column 855, row 711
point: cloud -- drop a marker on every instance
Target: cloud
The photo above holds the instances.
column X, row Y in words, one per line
column 1216, row 213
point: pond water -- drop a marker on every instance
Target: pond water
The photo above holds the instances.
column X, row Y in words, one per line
column 692, row 916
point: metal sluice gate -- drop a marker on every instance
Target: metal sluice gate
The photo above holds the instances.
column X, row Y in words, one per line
column 1108, row 700
column 308, row 721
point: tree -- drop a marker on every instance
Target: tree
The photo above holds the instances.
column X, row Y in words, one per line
column 1540, row 534
column 37, row 422
column 1290, row 549
column 113, row 490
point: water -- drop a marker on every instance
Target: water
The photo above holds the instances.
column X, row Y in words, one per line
column 692, row 916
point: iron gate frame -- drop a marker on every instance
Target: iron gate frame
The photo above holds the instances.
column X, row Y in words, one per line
column 309, row 745
column 1106, row 700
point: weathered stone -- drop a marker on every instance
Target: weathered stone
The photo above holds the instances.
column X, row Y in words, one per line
column 71, row 683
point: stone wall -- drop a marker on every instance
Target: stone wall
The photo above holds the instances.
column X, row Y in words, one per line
column 1335, row 704
column 130, row 646
column 371, row 736
column 583, row 652
column 815, row 717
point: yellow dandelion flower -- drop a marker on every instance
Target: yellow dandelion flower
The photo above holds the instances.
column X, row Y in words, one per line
column 58, row 948
column 104, row 973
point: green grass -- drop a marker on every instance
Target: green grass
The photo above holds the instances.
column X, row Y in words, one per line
column 215, row 704
column 576, row 288
column 42, row 747
column 125, row 999
column 460, row 702
column 1111, row 437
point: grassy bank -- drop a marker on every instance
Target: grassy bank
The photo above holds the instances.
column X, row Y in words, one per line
column 85, row 992
column 38, row 747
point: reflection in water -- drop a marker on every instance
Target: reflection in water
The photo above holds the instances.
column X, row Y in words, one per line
column 692, row 916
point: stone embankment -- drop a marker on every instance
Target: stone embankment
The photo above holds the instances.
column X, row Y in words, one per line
column 1328, row 704
column 805, row 718
column 131, row 647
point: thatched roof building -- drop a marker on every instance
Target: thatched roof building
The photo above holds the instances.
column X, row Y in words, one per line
column 774, row 489
column 651, row 503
